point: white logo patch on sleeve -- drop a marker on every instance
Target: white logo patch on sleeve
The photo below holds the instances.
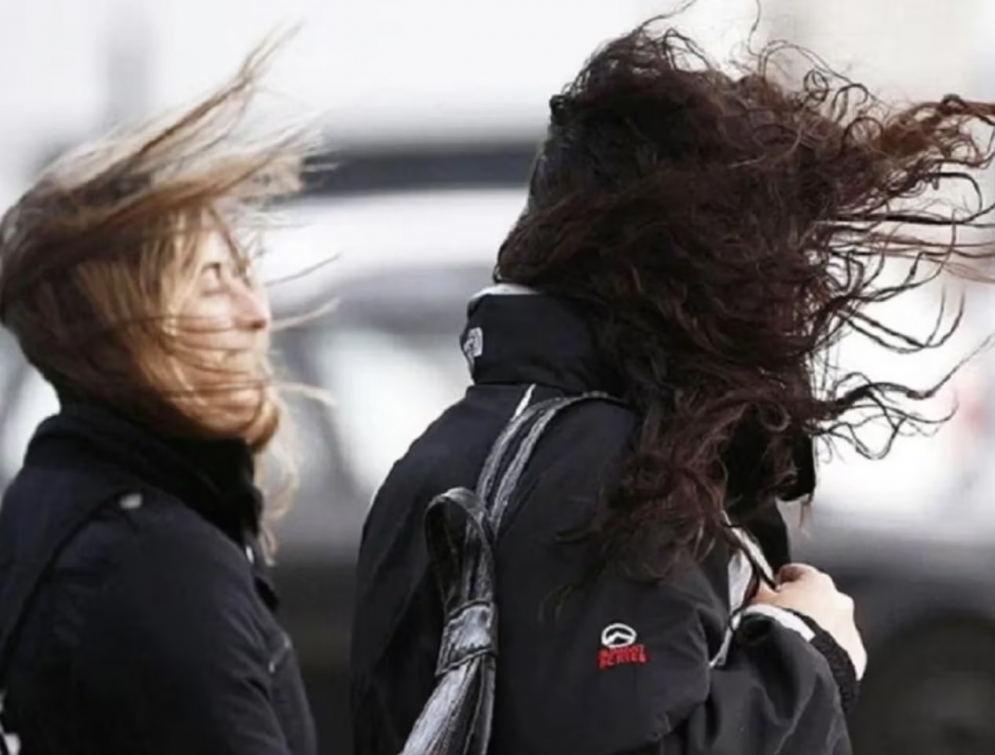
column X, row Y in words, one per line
column 618, row 636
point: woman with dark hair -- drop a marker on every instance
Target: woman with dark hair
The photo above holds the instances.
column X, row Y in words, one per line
column 693, row 243
column 136, row 613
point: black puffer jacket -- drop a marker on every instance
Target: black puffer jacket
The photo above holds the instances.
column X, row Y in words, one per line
column 154, row 632
column 618, row 666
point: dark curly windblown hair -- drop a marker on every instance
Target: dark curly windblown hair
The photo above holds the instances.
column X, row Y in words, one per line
column 720, row 232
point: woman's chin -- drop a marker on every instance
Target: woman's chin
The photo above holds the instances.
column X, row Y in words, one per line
column 256, row 414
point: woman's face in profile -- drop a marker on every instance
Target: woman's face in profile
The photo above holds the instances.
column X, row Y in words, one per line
column 224, row 323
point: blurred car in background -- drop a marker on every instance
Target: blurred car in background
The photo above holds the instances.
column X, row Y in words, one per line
column 399, row 239
column 924, row 587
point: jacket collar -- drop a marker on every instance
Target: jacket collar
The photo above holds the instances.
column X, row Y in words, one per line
column 213, row 477
column 516, row 335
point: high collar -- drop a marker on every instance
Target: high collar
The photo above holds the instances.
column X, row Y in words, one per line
column 516, row 335
column 213, row 477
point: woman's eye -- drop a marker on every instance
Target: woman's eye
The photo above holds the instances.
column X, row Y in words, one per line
column 212, row 275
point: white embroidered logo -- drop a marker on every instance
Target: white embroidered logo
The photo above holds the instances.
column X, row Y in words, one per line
column 618, row 636
column 473, row 345
column 620, row 648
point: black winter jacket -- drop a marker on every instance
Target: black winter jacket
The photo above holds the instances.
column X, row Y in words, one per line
column 618, row 666
column 154, row 631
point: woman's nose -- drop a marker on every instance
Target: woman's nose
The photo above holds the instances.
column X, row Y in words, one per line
column 253, row 310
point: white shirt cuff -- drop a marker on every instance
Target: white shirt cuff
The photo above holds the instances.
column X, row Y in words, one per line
column 783, row 617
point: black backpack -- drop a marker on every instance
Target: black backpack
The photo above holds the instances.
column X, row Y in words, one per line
column 461, row 530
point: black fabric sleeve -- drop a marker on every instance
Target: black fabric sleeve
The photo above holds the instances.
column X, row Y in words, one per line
column 839, row 662
column 173, row 658
column 772, row 695
column 560, row 690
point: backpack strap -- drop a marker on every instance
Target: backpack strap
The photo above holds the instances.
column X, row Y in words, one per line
column 22, row 582
column 461, row 531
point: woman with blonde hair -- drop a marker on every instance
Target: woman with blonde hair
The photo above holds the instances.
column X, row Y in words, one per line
column 136, row 615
